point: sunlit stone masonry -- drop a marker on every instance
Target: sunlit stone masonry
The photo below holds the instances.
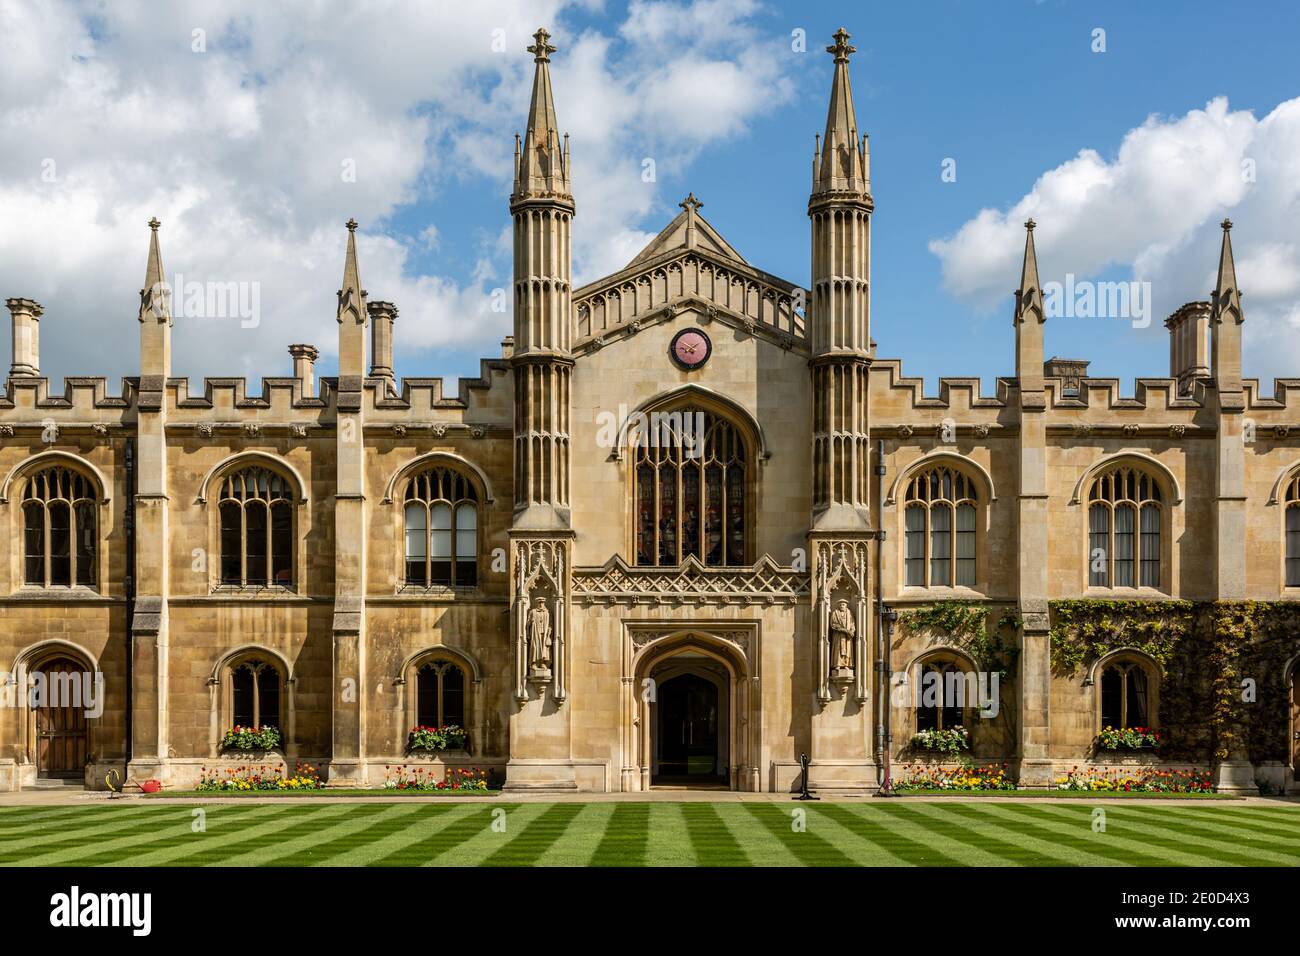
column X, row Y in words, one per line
column 688, row 526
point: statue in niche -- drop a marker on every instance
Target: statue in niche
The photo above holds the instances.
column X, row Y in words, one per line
column 539, row 641
column 842, row 631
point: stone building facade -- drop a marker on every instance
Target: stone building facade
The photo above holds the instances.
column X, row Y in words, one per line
column 683, row 530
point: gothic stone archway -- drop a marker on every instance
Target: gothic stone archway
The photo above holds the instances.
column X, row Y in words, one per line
column 690, row 681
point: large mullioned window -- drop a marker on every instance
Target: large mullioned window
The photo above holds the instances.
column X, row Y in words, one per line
column 441, row 529
column 256, row 509
column 690, row 470
column 939, row 521
column 440, row 694
column 59, row 529
column 1126, row 695
column 1293, row 533
column 1124, row 528
column 255, row 694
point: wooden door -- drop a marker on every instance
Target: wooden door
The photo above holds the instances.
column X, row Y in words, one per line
column 61, row 721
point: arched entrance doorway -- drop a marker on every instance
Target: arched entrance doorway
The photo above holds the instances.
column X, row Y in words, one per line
column 689, row 717
column 61, row 692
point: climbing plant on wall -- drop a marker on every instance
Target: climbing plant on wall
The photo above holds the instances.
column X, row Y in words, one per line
column 1205, row 651
column 966, row 625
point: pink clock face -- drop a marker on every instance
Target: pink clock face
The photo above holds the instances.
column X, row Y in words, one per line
column 691, row 348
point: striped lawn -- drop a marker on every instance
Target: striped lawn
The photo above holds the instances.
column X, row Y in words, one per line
column 870, row 833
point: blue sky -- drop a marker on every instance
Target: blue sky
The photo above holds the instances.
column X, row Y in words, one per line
column 1122, row 156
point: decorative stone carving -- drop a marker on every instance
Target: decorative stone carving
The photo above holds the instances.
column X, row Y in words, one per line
column 252, row 429
column 1083, row 429
column 439, row 429
column 204, row 429
column 478, row 431
column 690, row 583
column 1281, row 431
column 634, row 326
column 842, row 584
column 540, row 611
column 100, row 430
column 905, row 431
column 299, row 430
column 1130, row 430
column 982, row 430
column 6, row 431
column 399, row 430
column 1177, row 431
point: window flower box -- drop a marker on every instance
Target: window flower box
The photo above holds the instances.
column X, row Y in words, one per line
column 436, row 739
column 951, row 740
column 1128, row 738
column 250, row 739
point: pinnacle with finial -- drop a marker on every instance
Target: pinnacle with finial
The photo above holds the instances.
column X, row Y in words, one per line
column 690, row 203
column 1226, row 224
column 352, row 225
column 540, row 49
column 841, row 48
column 1030, row 224
column 154, row 224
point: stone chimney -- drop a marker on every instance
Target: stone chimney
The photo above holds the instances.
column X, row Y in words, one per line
column 1071, row 372
column 1189, row 344
column 27, row 337
column 382, row 317
column 304, row 368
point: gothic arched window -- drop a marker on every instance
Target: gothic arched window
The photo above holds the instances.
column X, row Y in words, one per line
column 255, row 694
column 440, row 694
column 690, row 495
column 440, row 521
column 1293, row 533
column 1127, row 686
column 60, row 533
column 1124, row 527
column 939, row 522
column 941, row 695
column 256, row 540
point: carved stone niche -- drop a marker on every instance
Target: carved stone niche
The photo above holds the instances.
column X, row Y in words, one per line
column 540, row 617
column 842, row 579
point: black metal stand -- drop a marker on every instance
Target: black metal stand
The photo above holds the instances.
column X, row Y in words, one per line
column 803, row 783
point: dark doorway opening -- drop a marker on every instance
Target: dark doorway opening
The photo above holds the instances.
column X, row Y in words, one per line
column 61, row 743
column 687, row 733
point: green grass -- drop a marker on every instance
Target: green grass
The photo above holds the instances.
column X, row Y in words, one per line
column 324, row 792
column 826, row 833
column 1069, row 794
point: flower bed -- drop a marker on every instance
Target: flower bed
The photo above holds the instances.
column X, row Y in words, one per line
column 1146, row 780
column 261, row 777
column 468, row 779
column 431, row 739
column 1128, row 738
column 966, row 777
column 952, row 740
column 250, row 738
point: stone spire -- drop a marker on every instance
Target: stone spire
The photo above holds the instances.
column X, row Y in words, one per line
column 1029, row 319
column 155, row 297
column 542, row 161
column 1225, row 325
column 352, row 312
column 840, row 160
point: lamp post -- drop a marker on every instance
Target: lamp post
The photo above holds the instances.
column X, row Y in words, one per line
column 888, row 617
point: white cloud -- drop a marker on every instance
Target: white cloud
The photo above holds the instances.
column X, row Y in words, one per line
column 240, row 151
column 1154, row 210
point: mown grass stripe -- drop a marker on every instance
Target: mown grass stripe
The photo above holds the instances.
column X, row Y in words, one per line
column 259, row 833
column 1239, row 821
column 1090, row 848
column 109, row 837
column 668, row 841
column 624, row 840
column 808, row 847
column 845, row 830
column 1078, row 833
column 11, row 824
column 1225, row 831
column 63, row 827
column 365, row 829
column 974, row 828
column 888, row 825
column 301, row 835
column 1131, row 824
column 575, row 844
column 536, row 837
column 452, row 826
column 711, row 841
